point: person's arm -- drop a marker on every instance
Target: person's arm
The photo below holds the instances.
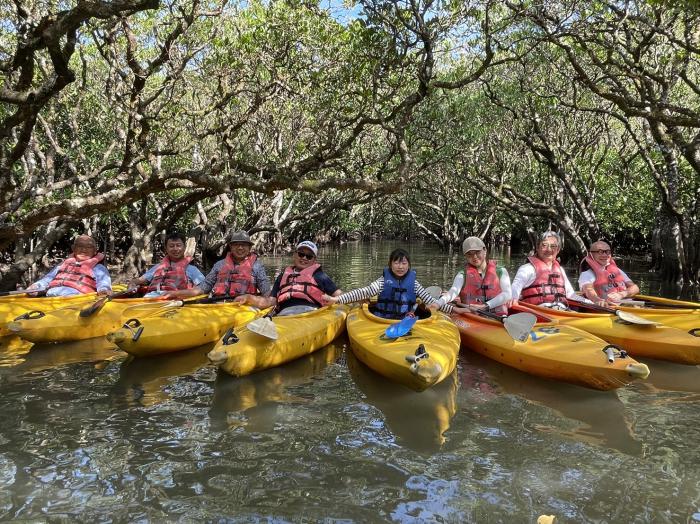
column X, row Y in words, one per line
column 264, row 301
column 570, row 293
column 523, row 278
column 630, row 290
column 43, row 283
column 102, row 279
column 144, row 279
column 194, row 274
column 586, row 284
column 262, row 281
column 357, row 295
column 453, row 292
column 202, row 289
column 506, row 294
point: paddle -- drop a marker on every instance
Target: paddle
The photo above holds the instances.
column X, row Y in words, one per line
column 623, row 315
column 654, row 305
column 518, row 326
column 100, row 302
column 403, row 326
column 32, row 292
column 263, row 326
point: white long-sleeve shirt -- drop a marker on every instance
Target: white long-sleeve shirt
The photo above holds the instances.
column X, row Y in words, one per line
column 500, row 299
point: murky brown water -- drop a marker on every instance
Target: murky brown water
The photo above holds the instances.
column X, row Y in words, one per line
column 92, row 435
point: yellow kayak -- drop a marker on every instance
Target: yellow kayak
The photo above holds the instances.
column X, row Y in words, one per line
column 176, row 328
column 552, row 350
column 418, row 360
column 401, row 407
column 650, row 341
column 66, row 324
column 244, row 352
column 13, row 306
column 673, row 313
column 251, row 401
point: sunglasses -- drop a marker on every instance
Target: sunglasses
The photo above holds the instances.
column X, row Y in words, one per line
column 307, row 256
column 602, row 251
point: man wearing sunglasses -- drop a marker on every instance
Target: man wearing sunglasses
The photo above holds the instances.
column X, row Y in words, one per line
column 601, row 280
column 239, row 277
column 301, row 286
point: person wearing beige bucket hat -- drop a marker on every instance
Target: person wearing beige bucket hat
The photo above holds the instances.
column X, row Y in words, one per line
column 482, row 284
column 239, row 277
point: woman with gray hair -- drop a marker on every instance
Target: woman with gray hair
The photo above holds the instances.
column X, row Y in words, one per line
column 542, row 280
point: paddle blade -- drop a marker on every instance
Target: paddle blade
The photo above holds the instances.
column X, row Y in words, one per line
column 264, row 327
column 519, row 325
column 401, row 328
column 635, row 319
column 94, row 307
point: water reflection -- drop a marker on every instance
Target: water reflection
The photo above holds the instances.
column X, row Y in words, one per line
column 602, row 413
column 252, row 400
column 419, row 420
column 40, row 357
column 143, row 381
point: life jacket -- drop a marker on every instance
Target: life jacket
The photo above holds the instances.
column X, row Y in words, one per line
column 548, row 285
column 478, row 290
column 78, row 275
column 170, row 276
column 607, row 279
column 398, row 296
column 300, row 284
column 235, row 279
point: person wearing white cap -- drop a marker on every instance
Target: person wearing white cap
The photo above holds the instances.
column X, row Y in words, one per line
column 301, row 286
column 239, row 277
column 482, row 284
column 541, row 280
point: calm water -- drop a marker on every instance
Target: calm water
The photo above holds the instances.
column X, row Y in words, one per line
column 92, row 435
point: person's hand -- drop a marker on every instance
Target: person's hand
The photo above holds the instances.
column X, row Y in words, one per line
column 479, row 306
column 170, row 295
column 460, row 310
column 434, row 306
column 616, row 296
column 241, row 299
column 600, row 302
column 327, row 299
column 104, row 292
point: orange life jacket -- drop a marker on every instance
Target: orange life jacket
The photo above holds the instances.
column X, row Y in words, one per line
column 78, row 275
column 478, row 290
column 607, row 279
column 235, row 279
column 548, row 285
column 300, row 284
column 170, row 276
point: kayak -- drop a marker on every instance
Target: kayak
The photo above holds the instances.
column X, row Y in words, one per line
column 401, row 407
column 242, row 351
column 423, row 357
column 65, row 324
column 13, row 306
column 252, row 401
column 673, row 313
column 552, row 350
column 180, row 327
column 650, row 341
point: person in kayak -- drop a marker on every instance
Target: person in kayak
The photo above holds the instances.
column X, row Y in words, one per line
column 482, row 284
column 601, row 281
column 81, row 272
column 172, row 273
column 542, row 280
column 397, row 290
column 239, row 277
column 301, row 286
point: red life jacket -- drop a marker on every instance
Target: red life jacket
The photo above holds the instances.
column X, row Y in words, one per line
column 78, row 275
column 477, row 290
column 300, row 284
column 236, row 279
column 170, row 275
column 548, row 285
column 607, row 279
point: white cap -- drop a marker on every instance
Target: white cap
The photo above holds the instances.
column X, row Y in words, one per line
column 308, row 245
column 473, row 244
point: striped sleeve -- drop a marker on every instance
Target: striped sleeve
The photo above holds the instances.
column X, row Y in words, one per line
column 356, row 295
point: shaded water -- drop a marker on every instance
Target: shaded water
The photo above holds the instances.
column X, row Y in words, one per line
column 90, row 434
